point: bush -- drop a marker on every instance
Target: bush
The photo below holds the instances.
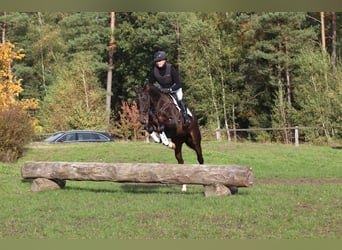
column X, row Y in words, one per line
column 16, row 130
column 263, row 137
column 129, row 126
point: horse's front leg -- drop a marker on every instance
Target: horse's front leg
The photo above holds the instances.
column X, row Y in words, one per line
column 155, row 137
column 164, row 138
column 151, row 130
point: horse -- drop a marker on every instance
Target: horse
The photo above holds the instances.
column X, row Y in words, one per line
column 159, row 112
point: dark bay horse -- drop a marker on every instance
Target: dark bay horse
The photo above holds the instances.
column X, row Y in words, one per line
column 158, row 112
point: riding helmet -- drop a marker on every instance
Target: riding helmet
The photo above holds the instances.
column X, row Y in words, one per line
column 159, row 55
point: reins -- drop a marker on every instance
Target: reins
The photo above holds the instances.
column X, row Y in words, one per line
column 150, row 107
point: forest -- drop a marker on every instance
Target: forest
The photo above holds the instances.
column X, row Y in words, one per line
column 239, row 69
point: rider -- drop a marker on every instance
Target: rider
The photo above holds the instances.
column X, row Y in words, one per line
column 168, row 79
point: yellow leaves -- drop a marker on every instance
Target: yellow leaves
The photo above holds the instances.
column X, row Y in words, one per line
column 7, row 55
column 19, row 55
column 10, row 87
column 31, row 104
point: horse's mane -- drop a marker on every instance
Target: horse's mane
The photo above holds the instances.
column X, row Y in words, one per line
column 154, row 90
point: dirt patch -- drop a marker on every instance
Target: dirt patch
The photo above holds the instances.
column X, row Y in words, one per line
column 299, row 181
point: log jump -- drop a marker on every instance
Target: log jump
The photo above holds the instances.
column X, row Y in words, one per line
column 217, row 179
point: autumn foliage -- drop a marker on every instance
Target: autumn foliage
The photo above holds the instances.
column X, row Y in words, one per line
column 16, row 125
column 129, row 126
column 16, row 131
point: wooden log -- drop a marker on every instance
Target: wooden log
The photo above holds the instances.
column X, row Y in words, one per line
column 140, row 173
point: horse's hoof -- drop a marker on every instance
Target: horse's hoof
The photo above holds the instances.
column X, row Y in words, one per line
column 171, row 145
column 233, row 189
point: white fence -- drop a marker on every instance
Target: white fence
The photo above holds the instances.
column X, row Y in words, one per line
column 292, row 134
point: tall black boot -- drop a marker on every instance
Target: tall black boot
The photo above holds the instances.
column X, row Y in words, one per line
column 184, row 109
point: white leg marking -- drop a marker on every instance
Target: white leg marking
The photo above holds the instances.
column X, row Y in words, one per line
column 155, row 137
column 164, row 139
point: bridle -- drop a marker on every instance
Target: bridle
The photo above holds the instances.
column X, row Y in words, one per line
column 146, row 109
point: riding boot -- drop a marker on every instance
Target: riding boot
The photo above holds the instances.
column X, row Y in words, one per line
column 184, row 109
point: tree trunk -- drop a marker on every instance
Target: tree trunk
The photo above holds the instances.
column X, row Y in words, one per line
column 140, row 173
column 3, row 34
column 282, row 110
column 177, row 31
column 289, row 89
column 323, row 30
column 218, row 132
column 225, row 113
column 41, row 52
column 111, row 49
column 233, row 120
column 223, row 91
column 85, row 89
column 333, row 52
column 288, row 77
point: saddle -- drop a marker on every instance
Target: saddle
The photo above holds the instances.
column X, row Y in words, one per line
column 174, row 100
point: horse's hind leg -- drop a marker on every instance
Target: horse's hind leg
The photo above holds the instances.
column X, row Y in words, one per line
column 197, row 148
column 196, row 138
column 179, row 157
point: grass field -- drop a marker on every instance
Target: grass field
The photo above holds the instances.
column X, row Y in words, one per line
column 297, row 195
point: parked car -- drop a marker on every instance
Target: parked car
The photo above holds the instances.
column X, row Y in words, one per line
column 80, row 136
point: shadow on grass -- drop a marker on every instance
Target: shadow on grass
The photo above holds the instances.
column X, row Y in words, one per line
column 143, row 188
column 170, row 189
column 138, row 189
column 156, row 188
column 93, row 190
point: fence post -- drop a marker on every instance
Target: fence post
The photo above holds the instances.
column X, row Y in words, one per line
column 218, row 134
column 296, row 136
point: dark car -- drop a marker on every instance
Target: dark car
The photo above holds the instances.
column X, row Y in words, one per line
column 79, row 136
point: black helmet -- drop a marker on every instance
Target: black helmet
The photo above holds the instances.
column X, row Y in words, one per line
column 159, row 55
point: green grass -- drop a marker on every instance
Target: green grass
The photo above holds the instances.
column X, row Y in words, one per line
column 300, row 208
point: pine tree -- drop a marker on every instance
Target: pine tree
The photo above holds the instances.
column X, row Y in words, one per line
column 319, row 93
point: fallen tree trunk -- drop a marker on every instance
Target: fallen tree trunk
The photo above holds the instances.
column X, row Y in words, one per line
column 140, row 173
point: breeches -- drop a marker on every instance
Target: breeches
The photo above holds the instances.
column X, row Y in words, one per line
column 179, row 94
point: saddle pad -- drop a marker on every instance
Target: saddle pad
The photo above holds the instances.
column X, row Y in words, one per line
column 176, row 103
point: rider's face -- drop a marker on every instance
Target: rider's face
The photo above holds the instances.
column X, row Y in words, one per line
column 160, row 63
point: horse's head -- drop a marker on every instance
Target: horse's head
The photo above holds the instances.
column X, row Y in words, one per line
column 143, row 103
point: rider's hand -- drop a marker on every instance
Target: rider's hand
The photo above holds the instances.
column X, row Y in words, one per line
column 165, row 90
